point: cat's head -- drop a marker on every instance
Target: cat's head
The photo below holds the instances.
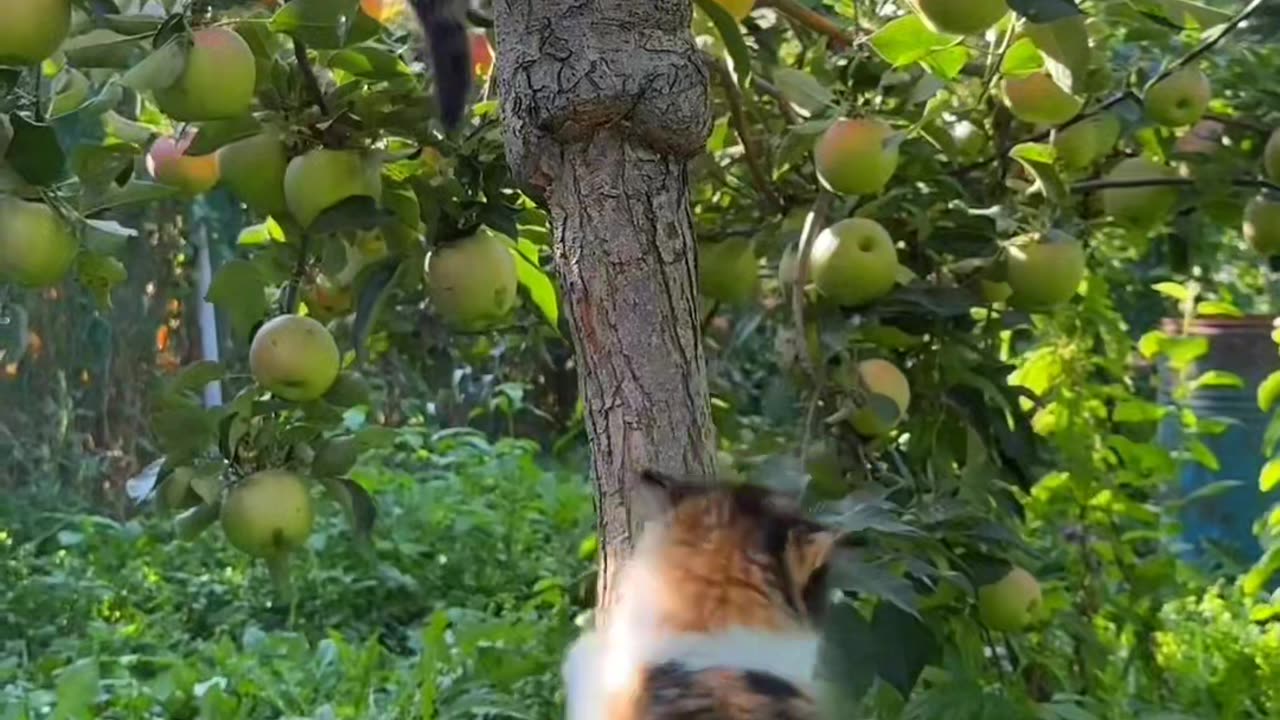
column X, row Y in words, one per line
column 724, row 556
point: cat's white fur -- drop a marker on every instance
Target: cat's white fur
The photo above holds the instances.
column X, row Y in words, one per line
column 605, row 660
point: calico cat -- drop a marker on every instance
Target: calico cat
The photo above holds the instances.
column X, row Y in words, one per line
column 444, row 22
column 717, row 617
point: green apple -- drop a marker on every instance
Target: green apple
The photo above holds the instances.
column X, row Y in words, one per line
column 1262, row 225
column 32, row 30
column 1179, row 99
column 1271, row 156
column 37, row 247
column 217, row 82
column 856, row 157
column 1141, row 207
column 323, row 178
column 472, row 282
column 960, row 17
column 727, row 270
column 253, row 169
column 1040, row 273
column 877, row 377
column 1084, row 143
column 1010, row 604
column 1037, row 99
column 854, row 262
column 268, row 514
column 295, row 357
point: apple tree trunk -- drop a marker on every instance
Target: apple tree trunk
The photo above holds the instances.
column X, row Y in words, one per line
column 603, row 104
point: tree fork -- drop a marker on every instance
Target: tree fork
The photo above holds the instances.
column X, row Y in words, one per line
column 603, row 105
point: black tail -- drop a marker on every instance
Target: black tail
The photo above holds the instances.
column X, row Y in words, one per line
column 445, row 24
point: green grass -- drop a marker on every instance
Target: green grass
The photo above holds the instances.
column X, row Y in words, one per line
column 463, row 610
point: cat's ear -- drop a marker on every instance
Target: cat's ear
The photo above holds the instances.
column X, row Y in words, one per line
column 665, row 491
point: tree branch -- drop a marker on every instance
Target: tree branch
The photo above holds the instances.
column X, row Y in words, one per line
column 751, row 151
column 309, row 75
column 813, row 20
column 1195, row 53
column 1091, row 185
column 292, row 292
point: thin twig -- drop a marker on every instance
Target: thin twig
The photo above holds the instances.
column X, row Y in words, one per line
column 816, row 219
column 813, row 20
column 751, row 151
column 309, row 76
column 1104, row 184
column 291, row 295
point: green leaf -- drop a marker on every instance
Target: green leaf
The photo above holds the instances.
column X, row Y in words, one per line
column 369, row 62
column 731, row 34
column 216, row 134
column 849, row 657
column 324, row 24
column 1022, row 58
column 264, row 233
column 1216, row 308
column 160, row 69
column 34, row 153
column 1043, row 11
column 1184, row 350
column 535, row 282
column 189, row 524
column 1151, row 343
column 803, row 90
column 105, row 237
column 99, row 274
column 1217, row 379
column 948, row 63
column 183, row 431
column 195, row 376
column 1269, row 392
column 373, row 286
column 77, row 688
column 1177, row 291
column 1269, row 478
column 137, row 191
column 1203, row 455
column 1260, row 574
column 355, row 213
column 1064, row 45
column 1032, row 157
column 907, row 40
column 356, row 503
column 906, row 646
column 239, row 289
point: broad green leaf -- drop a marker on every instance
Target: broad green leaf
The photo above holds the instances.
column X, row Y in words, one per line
column 731, row 34
column 357, row 212
column 99, row 274
column 1022, row 58
column 1217, row 379
column 1151, row 343
column 105, row 237
column 1216, row 308
column 1043, row 11
column 907, row 40
column 135, row 192
column 1184, row 350
column 264, row 233
column 1032, row 157
column 356, row 503
column 948, row 63
column 535, row 282
column 239, row 289
column 78, row 685
column 373, row 286
column 35, row 152
column 1259, row 576
column 184, row 430
column 1064, row 45
column 906, row 646
column 803, row 90
column 324, row 24
column 369, row 62
column 1203, row 455
column 1269, row 392
column 1269, row 478
column 195, row 376
column 160, row 69
column 219, row 133
column 849, row 657
column 1177, row 291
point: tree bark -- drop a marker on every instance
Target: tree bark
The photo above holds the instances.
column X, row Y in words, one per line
column 604, row 102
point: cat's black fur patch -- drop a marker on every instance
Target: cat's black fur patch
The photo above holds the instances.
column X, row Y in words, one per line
column 444, row 22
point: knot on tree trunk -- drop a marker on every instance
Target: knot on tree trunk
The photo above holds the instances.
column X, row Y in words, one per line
column 567, row 70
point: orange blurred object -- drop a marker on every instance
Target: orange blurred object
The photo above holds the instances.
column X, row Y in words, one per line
column 481, row 53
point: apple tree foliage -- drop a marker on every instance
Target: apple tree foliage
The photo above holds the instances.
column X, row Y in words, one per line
column 1027, row 439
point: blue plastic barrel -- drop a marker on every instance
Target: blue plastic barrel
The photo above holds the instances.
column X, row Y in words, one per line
column 1223, row 523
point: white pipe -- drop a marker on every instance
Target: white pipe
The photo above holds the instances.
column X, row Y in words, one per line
column 208, row 318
